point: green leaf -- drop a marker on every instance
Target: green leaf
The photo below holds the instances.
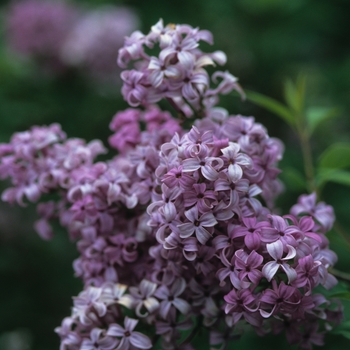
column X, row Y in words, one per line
column 295, row 93
column 316, row 115
column 342, row 332
column 337, row 156
column 343, row 329
column 294, row 179
column 345, row 325
column 341, row 295
column 329, row 175
column 301, row 87
column 272, row 105
column 290, row 94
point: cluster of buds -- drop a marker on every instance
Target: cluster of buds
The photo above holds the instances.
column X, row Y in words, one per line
column 178, row 231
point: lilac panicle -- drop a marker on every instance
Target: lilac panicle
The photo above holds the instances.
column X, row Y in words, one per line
column 93, row 43
column 178, row 224
column 39, row 28
column 177, row 73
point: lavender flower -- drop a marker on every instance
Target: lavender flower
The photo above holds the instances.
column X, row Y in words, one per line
column 39, row 28
column 275, row 250
column 321, row 212
column 128, row 337
column 177, row 73
column 99, row 341
column 93, row 43
column 170, row 298
column 143, row 299
column 197, row 225
column 172, row 228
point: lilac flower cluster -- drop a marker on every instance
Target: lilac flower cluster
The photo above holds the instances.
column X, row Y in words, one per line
column 59, row 35
column 93, row 309
column 38, row 29
column 92, row 45
column 177, row 73
column 178, row 230
column 42, row 161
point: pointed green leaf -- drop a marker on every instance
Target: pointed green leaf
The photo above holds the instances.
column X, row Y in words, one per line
column 345, row 325
column 342, row 295
column 316, row 115
column 337, row 156
column 342, row 332
column 271, row 105
column 333, row 175
column 343, row 329
column 295, row 93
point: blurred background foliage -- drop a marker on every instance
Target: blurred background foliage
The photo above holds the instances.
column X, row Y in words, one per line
column 267, row 42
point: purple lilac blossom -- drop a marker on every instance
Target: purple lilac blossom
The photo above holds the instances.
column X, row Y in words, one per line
column 39, row 28
column 180, row 224
column 177, row 73
column 321, row 212
column 94, row 41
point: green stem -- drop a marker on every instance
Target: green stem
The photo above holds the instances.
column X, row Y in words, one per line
column 194, row 332
column 341, row 231
column 340, row 274
column 309, row 169
column 155, row 339
column 304, row 138
column 181, row 114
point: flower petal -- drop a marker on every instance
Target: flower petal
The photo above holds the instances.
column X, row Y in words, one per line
column 130, row 323
column 269, row 270
column 275, row 249
column 140, row 341
column 202, row 235
column 290, row 272
column 182, row 305
column 116, row 330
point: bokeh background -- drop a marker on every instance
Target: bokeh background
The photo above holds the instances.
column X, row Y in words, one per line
column 266, row 41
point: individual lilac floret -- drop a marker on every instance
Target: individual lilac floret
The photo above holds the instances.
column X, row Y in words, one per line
column 242, row 303
column 38, row 29
column 322, row 212
column 89, row 307
column 275, row 250
column 177, row 72
column 170, row 298
column 128, row 338
column 143, row 299
column 197, row 225
column 93, row 44
column 99, row 341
